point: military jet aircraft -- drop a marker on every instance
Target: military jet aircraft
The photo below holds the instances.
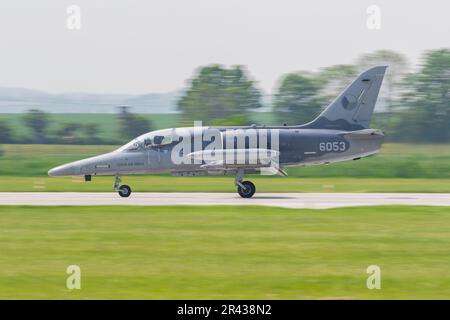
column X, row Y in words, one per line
column 341, row 132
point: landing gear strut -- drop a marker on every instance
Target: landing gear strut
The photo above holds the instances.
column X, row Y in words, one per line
column 246, row 189
column 124, row 190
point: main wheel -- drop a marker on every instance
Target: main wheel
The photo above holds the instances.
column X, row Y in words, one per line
column 124, row 191
column 249, row 190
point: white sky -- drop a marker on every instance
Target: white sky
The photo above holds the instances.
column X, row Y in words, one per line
column 137, row 46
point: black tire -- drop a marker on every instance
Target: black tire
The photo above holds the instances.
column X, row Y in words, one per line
column 249, row 190
column 124, row 191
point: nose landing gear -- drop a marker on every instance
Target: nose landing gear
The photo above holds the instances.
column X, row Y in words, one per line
column 124, row 190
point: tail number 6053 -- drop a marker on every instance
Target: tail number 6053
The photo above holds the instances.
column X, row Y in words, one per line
column 332, row 146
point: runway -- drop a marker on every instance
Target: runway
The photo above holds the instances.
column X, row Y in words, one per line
column 286, row 200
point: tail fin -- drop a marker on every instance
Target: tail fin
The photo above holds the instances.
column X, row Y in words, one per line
column 352, row 109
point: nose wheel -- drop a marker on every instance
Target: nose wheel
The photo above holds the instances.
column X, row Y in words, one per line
column 124, row 190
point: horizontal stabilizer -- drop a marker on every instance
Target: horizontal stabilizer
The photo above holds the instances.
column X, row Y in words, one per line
column 364, row 132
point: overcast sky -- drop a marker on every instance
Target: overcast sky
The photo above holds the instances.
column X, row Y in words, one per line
column 137, row 46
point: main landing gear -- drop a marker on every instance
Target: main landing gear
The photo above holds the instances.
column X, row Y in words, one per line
column 246, row 189
column 124, row 190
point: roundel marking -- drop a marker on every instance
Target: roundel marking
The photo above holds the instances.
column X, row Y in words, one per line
column 349, row 102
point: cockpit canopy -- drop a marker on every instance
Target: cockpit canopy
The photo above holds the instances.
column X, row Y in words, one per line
column 158, row 140
column 152, row 139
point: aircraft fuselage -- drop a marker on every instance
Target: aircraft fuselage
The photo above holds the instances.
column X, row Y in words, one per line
column 296, row 146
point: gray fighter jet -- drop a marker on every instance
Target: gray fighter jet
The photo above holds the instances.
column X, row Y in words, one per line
column 341, row 132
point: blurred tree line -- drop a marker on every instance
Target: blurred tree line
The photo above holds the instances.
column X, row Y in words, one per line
column 413, row 105
column 129, row 126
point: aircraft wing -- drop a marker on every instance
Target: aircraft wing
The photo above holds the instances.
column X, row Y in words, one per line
column 255, row 157
column 231, row 159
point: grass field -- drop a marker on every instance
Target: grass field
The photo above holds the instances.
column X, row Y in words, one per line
column 155, row 183
column 224, row 252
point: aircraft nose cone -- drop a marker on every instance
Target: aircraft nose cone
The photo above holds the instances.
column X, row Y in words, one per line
column 65, row 170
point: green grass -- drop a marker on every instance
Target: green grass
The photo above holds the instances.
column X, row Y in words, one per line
column 224, row 252
column 35, row 160
column 157, row 183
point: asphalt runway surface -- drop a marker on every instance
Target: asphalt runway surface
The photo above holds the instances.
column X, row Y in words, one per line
column 286, row 200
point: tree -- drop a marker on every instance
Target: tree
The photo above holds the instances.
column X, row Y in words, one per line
column 428, row 104
column 217, row 92
column 5, row 132
column 298, row 100
column 91, row 130
column 236, row 120
column 132, row 125
column 38, row 122
column 68, row 129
